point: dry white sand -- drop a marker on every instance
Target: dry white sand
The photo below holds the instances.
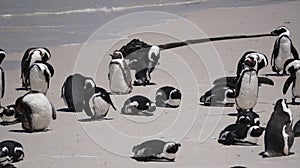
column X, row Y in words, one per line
column 73, row 142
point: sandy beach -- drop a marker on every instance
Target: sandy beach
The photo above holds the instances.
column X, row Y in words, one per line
column 74, row 141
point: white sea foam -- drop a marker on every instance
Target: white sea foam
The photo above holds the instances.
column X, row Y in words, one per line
column 102, row 9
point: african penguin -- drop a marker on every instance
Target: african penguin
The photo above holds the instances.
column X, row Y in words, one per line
column 219, row 95
column 9, row 115
column 168, row 96
column 138, row 104
column 2, row 77
column 252, row 58
column 279, row 136
column 246, row 90
column 35, row 111
column 240, row 134
column 10, row 152
column 74, row 90
column 119, row 74
column 30, row 56
column 292, row 67
column 143, row 58
column 283, row 49
column 98, row 104
column 249, row 118
column 156, row 150
column 39, row 76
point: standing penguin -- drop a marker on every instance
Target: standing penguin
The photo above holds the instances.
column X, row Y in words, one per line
column 292, row 67
column 119, row 74
column 156, row 150
column 98, row 104
column 35, row 110
column 2, row 77
column 143, row 58
column 9, row 115
column 75, row 89
column 39, row 76
column 168, row 96
column 246, row 90
column 283, row 49
column 10, row 152
column 30, row 56
column 279, row 136
column 136, row 104
column 259, row 59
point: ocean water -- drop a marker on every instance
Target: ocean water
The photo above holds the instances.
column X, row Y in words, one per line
column 27, row 23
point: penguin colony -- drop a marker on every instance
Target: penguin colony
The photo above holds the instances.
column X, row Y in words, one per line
column 35, row 111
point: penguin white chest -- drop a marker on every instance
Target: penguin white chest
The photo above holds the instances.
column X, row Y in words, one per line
column 284, row 52
column 296, row 88
column 248, row 92
column 99, row 107
column 117, row 79
column 38, row 80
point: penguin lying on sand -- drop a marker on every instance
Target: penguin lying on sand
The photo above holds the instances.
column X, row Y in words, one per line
column 9, row 115
column 143, row 58
column 156, row 150
column 279, row 136
column 10, row 152
column 292, row 67
column 168, row 96
column 249, row 118
column 283, row 49
column 240, row 134
column 296, row 129
column 138, row 105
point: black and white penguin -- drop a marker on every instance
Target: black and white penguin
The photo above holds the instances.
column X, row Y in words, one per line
column 75, row 89
column 283, row 49
column 39, row 76
column 156, row 150
column 98, row 104
column 240, row 134
column 10, row 152
column 279, row 136
column 219, row 95
column 136, row 104
column 143, row 58
column 246, row 90
column 2, row 77
column 119, row 76
column 32, row 55
column 9, row 115
column 249, row 118
column 259, row 60
column 35, row 111
column 168, row 96
column 292, row 67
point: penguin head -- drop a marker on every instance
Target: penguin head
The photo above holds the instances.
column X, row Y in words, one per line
column 10, row 152
column 151, row 106
column 45, row 53
column 280, row 30
column 2, row 55
column 9, row 113
column 256, row 131
column 282, row 106
column 175, row 94
column 291, row 66
column 171, row 147
column 117, row 55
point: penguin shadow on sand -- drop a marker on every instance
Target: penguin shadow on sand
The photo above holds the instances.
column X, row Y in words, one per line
column 83, row 120
column 22, row 131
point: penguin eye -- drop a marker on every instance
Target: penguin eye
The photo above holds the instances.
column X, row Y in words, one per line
column 4, row 150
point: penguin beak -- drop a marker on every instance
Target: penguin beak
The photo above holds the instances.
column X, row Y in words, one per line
column 275, row 32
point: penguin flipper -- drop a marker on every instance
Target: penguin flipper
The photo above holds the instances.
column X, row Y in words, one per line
column 274, row 55
column 230, row 80
column 287, row 83
column 294, row 51
column 3, row 84
column 265, row 80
